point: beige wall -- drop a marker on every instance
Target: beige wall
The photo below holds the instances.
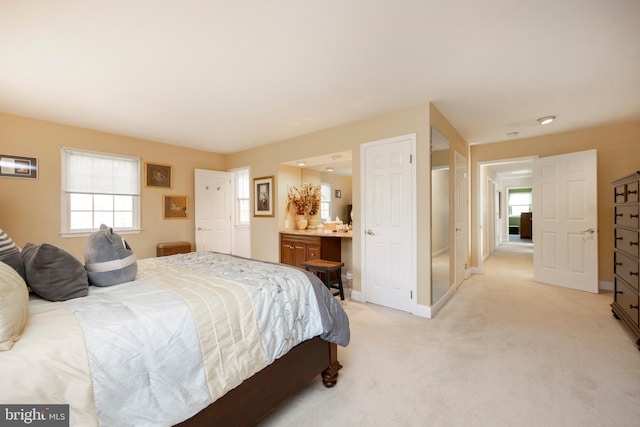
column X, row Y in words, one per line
column 617, row 147
column 265, row 160
column 30, row 209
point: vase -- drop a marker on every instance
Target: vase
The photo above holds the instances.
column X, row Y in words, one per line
column 313, row 222
column 301, row 222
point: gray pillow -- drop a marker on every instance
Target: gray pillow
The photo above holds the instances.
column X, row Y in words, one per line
column 10, row 254
column 53, row 273
column 109, row 259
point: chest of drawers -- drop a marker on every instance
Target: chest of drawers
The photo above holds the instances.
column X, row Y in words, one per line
column 173, row 248
column 626, row 256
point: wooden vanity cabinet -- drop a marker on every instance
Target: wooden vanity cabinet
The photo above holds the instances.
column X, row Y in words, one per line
column 297, row 248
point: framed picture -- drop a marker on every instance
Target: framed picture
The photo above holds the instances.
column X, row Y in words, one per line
column 157, row 175
column 175, row 207
column 263, row 196
column 18, row 166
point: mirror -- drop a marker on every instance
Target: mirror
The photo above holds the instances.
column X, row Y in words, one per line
column 440, row 216
column 335, row 170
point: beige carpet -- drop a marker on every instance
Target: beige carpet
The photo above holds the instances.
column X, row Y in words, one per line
column 504, row 351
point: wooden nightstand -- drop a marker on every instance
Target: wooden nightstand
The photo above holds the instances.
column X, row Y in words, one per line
column 173, row 248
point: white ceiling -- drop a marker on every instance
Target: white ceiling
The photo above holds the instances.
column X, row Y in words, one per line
column 226, row 76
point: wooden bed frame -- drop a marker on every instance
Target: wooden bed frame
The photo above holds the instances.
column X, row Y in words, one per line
column 257, row 396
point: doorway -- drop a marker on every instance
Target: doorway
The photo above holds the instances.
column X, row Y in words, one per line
column 565, row 217
column 495, row 180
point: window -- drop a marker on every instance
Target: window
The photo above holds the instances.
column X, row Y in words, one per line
column 519, row 201
column 99, row 188
column 243, row 208
column 325, row 204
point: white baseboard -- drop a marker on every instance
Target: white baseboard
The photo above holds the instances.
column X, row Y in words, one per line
column 357, row 296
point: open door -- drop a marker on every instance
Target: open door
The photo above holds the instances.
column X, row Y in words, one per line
column 565, row 221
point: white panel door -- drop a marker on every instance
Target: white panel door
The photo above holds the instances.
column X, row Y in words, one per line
column 213, row 211
column 388, row 196
column 565, row 221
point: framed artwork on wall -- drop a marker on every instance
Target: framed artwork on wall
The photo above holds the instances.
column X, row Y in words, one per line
column 263, row 196
column 18, row 166
column 157, row 175
column 175, row 207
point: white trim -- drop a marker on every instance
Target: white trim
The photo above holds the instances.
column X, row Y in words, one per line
column 481, row 200
column 89, row 233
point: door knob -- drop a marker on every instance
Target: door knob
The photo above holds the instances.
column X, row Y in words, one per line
column 589, row 230
column 370, row 232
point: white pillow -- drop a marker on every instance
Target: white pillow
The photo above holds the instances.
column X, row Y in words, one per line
column 14, row 306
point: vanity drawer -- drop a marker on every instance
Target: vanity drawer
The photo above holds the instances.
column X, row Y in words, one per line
column 313, row 252
column 632, row 192
column 627, row 300
column 626, row 268
column 627, row 216
column 627, row 241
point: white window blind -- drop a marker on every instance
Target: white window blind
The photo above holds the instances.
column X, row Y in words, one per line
column 325, row 202
column 99, row 188
column 97, row 173
column 243, row 212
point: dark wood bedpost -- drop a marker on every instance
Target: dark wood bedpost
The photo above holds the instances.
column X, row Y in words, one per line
column 330, row 375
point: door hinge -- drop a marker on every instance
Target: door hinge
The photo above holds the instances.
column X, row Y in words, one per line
column 411, row 293
column 410, row 158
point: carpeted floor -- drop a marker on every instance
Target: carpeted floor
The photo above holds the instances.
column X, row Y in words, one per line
column 504, row 351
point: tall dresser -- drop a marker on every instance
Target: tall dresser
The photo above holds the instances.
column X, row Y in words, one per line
column 626, row 254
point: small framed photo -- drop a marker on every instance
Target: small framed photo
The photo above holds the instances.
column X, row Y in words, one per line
column 157, row 175
column 263, row 196
column 18, row 166
column 175, row 207
column 338, row 194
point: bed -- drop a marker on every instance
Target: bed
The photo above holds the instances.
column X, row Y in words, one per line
column 200, row 339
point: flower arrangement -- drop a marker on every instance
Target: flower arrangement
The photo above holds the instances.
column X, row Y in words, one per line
column 305, row 199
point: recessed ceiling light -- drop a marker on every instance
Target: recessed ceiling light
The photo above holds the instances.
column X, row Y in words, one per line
column 329, row 169
column 513, row 133
column 302, row 163
column 546, row 120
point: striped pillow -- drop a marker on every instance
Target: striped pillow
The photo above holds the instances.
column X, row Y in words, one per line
column 10, row 253
column 14, row 306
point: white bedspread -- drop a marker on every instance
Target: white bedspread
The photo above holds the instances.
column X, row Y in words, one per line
column 160, row 348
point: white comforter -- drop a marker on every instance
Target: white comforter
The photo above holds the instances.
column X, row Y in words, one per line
column 157, row 350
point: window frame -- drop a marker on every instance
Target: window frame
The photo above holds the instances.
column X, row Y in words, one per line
column 65, row 217
column 519, row 191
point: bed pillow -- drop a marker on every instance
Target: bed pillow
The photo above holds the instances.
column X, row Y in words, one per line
column 53, row 273
column 14, row 306
column 108, row 258
column 10, row 253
